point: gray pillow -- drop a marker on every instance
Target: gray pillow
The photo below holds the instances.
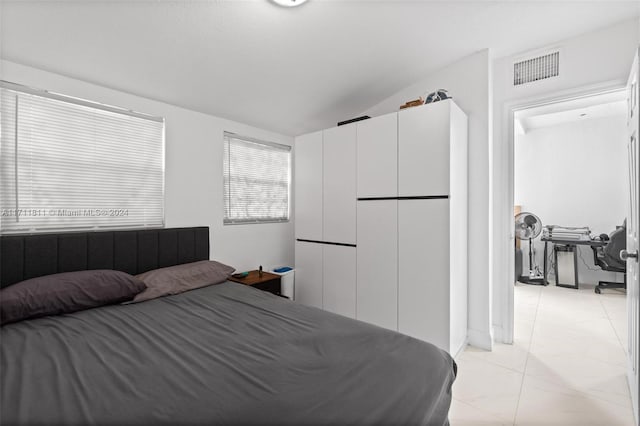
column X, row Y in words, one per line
column 180, row 278
column 66, row 292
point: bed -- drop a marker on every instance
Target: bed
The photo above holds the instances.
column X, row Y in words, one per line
column 222, row 354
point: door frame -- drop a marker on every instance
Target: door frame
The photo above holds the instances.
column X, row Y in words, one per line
column 632, row 240
column 503, row 192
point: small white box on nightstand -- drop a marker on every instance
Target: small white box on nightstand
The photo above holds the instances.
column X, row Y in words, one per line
column 287, row 282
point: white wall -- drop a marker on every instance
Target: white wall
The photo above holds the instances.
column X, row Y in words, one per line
column 574, row 174
column 597, row 60
column 193, row 169
column 469, row 83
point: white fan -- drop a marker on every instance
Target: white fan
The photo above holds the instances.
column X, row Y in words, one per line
column 528, row 227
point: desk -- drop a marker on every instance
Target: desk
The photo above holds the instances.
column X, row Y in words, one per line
column 569, row 242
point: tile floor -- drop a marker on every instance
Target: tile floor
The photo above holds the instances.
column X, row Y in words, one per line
column 567, row 365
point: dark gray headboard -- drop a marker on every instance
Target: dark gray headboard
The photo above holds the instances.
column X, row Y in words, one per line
column 29, row 256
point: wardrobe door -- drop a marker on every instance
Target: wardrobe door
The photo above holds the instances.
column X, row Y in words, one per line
column 339, row 280
column 339, row 182
column 308, row 186
column 423, row 279
column 377, row 155
column 377, row 272
column 423, row 150
column 308, row 287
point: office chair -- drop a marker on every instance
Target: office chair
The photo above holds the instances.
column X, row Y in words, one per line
column 608, row 257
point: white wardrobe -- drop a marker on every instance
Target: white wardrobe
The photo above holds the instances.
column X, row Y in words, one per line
column 325, row 211
column 381, row 222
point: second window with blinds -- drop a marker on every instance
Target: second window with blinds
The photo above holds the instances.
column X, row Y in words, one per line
column 257, row 177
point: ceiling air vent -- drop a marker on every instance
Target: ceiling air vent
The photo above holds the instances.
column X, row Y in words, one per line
column 538, row 68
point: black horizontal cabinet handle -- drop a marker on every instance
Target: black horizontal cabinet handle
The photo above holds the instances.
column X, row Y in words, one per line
column 325, row 242
column 420, row 197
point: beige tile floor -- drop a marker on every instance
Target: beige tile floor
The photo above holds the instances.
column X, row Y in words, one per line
column 567, row 365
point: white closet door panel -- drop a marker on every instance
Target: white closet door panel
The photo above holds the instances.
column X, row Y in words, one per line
column 308, row 186
column 339, row 280
column 377, row 155
column 458, row 205
column 339, row 184
column 308, row 285
column 377, row 273
column 423, row 285
column 423, row 150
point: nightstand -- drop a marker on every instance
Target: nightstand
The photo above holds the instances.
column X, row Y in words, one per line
column 267, row 282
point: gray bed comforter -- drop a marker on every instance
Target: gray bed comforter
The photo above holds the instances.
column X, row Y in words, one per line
column 225, row 354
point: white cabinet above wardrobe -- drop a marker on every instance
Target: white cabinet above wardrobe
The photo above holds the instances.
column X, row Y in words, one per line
column 377, row 157
column 308, row 186
column 339, row 184
column 424, row 144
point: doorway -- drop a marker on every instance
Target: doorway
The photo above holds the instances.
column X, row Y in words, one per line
column 503, row 230
column 570, row 187
column 569, row 170
column 503, row 193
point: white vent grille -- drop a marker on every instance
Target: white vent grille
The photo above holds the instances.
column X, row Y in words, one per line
column 534, row 69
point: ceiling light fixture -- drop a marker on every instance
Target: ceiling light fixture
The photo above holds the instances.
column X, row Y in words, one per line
column 288, row 3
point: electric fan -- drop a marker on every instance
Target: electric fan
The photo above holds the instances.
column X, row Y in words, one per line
column 528, row 227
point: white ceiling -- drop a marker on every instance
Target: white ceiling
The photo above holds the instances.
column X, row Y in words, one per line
column 290, row 70
column 585, row 108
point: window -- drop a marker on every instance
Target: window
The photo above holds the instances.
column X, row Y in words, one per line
column 256, row 180
column 69, row 164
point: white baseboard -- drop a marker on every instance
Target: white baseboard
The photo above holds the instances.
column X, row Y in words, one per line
column 457, row 351
column 480, row 339
column 498, row 334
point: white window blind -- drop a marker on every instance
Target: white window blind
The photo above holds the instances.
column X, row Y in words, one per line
column 256, row 180
column 68, row 164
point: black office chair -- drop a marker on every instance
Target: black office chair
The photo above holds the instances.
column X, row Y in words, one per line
column 608, row 257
